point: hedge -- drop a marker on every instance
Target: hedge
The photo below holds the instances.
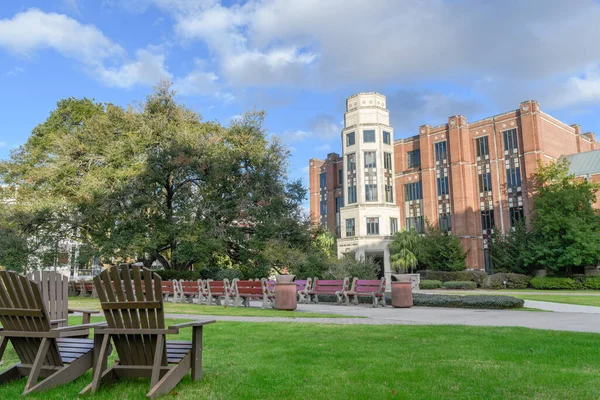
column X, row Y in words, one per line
column 513, row 281
column 592, row 282
column 460, row 285
column 430, row 284
column 170, row 274
column 548, row 283
column 446, row 276
column 455, row 301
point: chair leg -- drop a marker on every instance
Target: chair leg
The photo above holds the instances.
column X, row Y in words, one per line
column 171, row 378
column 67, row 374
column 196, row 353
column 100, row 362
column 108, row 376
column 37, row 365
column 158, row 356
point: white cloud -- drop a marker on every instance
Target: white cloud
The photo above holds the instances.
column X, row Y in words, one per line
column 324, row 126
column 14, row 71
column 72, row 5
column 324, row 147
column 147, row 69
column 198, row 81
column 295, row 136
column 577, row 90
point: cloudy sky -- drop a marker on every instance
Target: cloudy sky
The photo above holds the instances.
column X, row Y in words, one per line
column 299, row 60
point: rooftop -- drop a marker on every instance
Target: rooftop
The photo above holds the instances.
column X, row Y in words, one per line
column 587, row 163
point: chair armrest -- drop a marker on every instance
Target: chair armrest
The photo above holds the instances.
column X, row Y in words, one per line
column 72, row 310
column 80, row 327
column 57, row 321
column 193, row 323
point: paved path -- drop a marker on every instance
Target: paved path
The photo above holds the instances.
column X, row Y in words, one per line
column 509, row 293
column 563, row 321
column 560, row 307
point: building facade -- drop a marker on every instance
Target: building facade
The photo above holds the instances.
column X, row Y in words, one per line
column 466, row 178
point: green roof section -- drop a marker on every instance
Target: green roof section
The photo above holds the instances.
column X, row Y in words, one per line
column 587, row 163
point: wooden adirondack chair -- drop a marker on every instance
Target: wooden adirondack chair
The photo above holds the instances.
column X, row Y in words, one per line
column 55, row 290
column 45, row 351
column 135, row 322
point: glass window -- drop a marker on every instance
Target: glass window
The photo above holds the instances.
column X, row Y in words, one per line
column 445, row 225
column 339, row 203
column 340, row 176
column 440, row 151
column 487, row 220
column 442, row 186
column 372, row 226
column 350, row 227
column 389, row 193
column 351, row 158
column 371, row 192
column 323, row 206
column 393, row 225
column 387, row 138
column 415, row 223
column 513, row 177
column 370, row 159
column 387, row 161
column 485, row 182
column 351, row 194
column 413, row 158
column 482, row 146
column 413, row 191
column 350, row 139
column 323, row 180
column 510, row 140
column 369, row 136
column 516, row 214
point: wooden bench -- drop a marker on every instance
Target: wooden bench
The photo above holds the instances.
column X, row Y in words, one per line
column 302, row 289
column 189, row 290
column 243, row 291
column 169, row 288
column 330, row 287
column 371, row 288
column 217, row 290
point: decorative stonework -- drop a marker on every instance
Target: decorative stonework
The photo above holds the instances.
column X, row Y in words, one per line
column 484, row 131
column 453, row 123
column 504, row 125
column 512, row 124
column 422, row 130
column 525, row 108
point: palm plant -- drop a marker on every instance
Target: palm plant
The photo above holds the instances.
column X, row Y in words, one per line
column 404, row 251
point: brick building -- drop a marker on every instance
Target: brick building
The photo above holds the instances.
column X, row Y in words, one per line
column 464, row 177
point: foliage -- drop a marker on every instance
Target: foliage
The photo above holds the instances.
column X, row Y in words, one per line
column 13, row 250
column 566, row 229
column 170, row 274
column 591, row 282
column 548, row 283
column 441, row 251
column 460, row 285
column 324, row 242
column 231, row 274
column 405, row 251
column 475, row 276
column 156, row 183
column 430, row 284
column 513, row 281
column 455, row 301
column 348, row 267
column 508, row 252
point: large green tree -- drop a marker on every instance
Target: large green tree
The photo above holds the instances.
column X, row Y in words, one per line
column 565, row 227
column 155, row 182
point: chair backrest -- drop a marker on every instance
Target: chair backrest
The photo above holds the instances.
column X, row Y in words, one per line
column 55, row 293
column 23, row 309
column 134, row 303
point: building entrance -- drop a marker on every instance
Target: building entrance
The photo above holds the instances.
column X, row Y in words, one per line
column 377, row 258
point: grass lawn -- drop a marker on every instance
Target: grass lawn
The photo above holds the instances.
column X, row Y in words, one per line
column 292, row 361
column 86, row 303
column 562, row 298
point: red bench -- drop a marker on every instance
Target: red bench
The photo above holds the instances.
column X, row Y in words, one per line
column 243, row 291
column 371, row 288
column 331, row 287
column 169, row 288
column 302, row 289
column 190, row 290
column 217, row 290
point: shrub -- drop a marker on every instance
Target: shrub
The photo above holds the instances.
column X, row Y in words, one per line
column 441, row 251
column 445, row 276
column 455, row 301
column 592, row 282
column 460, row 285
column 513, row 281
column 348, row 267
column 429, row 284
column 547, row 283
column 229, row 274
column 170, row 274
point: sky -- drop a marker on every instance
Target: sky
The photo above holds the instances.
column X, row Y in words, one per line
column 300, row 59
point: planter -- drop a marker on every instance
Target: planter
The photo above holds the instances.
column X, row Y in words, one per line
column 285, row 292
column 401, row 291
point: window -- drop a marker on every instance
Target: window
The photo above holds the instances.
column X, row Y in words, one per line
column 350, row 139
column 413, row 191
column 339, row 203
column 485, row 182
column 440, row 151
column 487, row 261
column 323, row 180
column 369, row 136
column 513, row 177
column 350, row 227
column 387, row 138
column 372, row 226
column 393, row 225
column 482, row 147
column 510, row 140
column 340, row 176
column 389, row 193
column 413, row 158
column 323, row 208
column 442, row 186
column 444, row 222
column 487, row 220
column 516, row 214
column 370, row 160
column 387, row 161
column 351, row 194
column 351, row 161
column 415, row 223
column 371, row 192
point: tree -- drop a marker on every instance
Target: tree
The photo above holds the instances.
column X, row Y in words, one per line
column 156, row 183
column 441, row 251
column 508, row 252
column 565, row 227
column 405, row 250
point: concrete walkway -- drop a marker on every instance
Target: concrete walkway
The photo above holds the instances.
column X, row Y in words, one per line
column 562, row 321
column 560, row 307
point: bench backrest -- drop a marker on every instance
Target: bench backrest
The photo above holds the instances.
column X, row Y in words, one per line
column 368, row 285
column 190, row 287
column 330, row 286
column 218, row 287
column 247, row 287
column 168, row 287
column 55, row 293
column 303, row 284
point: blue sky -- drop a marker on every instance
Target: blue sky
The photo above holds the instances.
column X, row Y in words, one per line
column 300, row 59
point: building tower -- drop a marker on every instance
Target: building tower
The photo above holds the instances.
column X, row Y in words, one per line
column 369, row 217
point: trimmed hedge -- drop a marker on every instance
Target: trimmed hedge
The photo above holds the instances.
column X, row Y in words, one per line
column 446, row 276
column 592, row 282
column 460, row 285
column 429, row 284
column 513, row 281
column 455, row 301
column 547, row 283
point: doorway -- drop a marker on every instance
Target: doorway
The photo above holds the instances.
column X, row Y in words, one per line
column 377, row 257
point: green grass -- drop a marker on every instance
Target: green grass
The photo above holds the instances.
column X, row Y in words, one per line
column 292, row 361
column 529, row 309
column 86, row 303
column 566, row 299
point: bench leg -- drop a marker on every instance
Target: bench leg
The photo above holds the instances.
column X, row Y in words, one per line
column 374, row 300
column 316, row 298
column 346, row 299
column 339, row 297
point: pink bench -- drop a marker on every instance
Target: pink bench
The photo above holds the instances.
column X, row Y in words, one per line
column 330, row 287
column 371, row 288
